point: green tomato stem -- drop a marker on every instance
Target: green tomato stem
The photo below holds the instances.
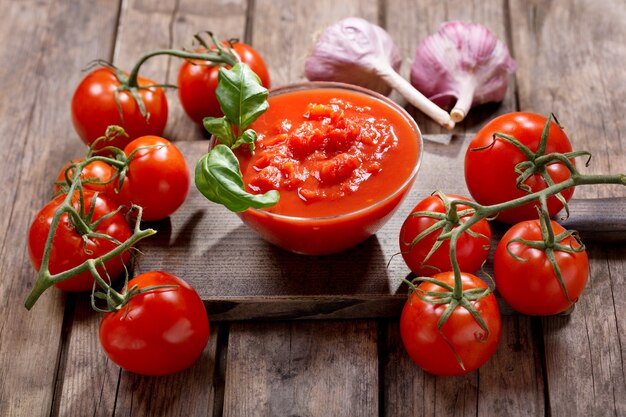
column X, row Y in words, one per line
column 485, row 212
column 45, row 279
column 223, row 56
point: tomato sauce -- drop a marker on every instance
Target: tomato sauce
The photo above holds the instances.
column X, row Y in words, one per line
column 342, row 160
column 329, row 152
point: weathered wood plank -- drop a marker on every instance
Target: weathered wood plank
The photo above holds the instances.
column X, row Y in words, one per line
column 409, row 22
column 578, row 74
column 41, row 61
column 185, row 394
column 199, row 241
column 109, row 391
column 601, row 220
column 302, row 369
column 584, row 353
column 408, row 391
column 573, row 73
column 87, row 381
column 510, row 383
column 240, row 276
column 617, row 274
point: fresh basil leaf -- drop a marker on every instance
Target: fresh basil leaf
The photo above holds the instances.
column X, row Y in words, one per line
column 218, row 178
column 247, row 137
column 221, row 129
column 241, row 96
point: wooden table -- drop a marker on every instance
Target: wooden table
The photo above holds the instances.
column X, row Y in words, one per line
column 571, row 57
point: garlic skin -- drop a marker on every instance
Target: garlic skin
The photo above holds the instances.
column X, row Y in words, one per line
column 462, row 61
column 349, row 50
column 355, row 51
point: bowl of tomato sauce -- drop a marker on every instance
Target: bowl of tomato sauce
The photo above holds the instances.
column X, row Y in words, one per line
column 342, row 157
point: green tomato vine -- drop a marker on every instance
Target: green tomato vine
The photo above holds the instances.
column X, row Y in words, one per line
column 81, row 218
column 455, row 296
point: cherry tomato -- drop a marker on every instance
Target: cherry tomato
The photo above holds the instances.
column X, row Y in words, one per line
column 531, row 286
column 425, row 344
column 158, row 332
column 490, row 173
column 94, row 108
column 95, row 176
column 68, row 247
column 471, row 251
column 197, row 83
column 157, row 178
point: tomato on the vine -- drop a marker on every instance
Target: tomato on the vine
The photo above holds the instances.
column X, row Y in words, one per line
column 95, row 175
column 197, row 82
column 94, row 108
column 70, row 249
column 434, row 350
column 529, row 284
column 490, row 164
column 158, row 332
column 471, row 250
column 157, row 178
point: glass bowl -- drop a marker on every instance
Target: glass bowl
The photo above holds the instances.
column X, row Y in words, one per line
column 327, row 234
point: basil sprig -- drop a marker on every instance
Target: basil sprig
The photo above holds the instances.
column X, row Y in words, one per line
column 218, row 176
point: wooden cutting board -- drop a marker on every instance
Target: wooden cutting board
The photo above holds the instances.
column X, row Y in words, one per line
column 240, row 277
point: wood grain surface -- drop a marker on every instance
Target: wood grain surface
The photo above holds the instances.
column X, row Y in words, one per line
column 283, row 369
column 576, row 76
column 570, row 56
column 39, row 51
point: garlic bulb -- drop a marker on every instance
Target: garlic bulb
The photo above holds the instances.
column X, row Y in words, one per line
column 463, row 62
column 358, row 52
column 348, row 50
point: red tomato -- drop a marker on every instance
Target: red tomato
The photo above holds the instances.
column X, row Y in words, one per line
column 471, row 251
column 427, row 347
column 197, row 83
column 157, row 178
column 94, row 108
column 531, row 287
column 158, row 332
column 94, row 176
column 68, row 247
column 490, row 173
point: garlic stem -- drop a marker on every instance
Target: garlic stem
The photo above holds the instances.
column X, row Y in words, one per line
column 464, row 102
column 413, row 96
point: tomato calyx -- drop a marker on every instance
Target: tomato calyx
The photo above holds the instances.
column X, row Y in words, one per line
column 550, row 244
column 453, row 299
column 446, row 222
column 115, row 301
